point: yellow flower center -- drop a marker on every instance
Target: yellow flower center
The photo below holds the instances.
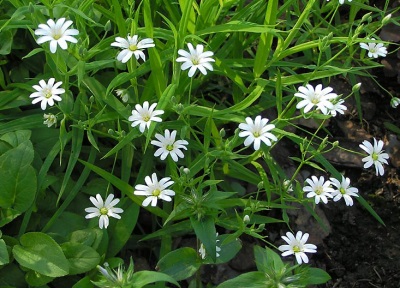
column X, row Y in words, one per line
column 342, row 190
column 318, row 190
column 170, row 147
column 296, row 249
column 256, row 134
column 146, row 118
column 47, row 93
column 132, row 47
column 375, row 156
column 156, row 192
column 103, row 211
column 195, row 61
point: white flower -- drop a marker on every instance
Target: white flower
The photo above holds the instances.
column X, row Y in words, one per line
column 341, row 1
column 319, row 189
column 50, row 119
column 155, row 190
column 343, row 190
column 56, row 33
column 203, row 253
column 297, row 246
column 257, row 131
column 317, row 97
column 47, row 93
column 123, row 94
column 144, row 115
column 103, row 209
column 337, row 108
column 394, row 102
column 131, row 46
column 375, row 157
column 287, row 186
column 195, row 59
column 168, row 145
column 374, row 49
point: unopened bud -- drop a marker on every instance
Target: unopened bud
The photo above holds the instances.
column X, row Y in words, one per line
column 107, row 27
column 394, row 102
column 386, row 19
column 356, row 87
column 246, row 219
column 222, row 133
column 366, row 17
column 335, row 144
column 260, row 185
column 186, row 171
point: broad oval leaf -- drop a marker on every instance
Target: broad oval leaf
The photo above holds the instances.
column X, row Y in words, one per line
column 81, row 258
column 39, row 252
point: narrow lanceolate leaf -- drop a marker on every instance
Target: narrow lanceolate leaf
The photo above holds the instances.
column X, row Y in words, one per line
column 39, row 252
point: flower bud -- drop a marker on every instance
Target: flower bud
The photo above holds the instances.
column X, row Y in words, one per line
column 356, row 87
column 335, row 144
column 222, row 133
column 186, row 171
column 246, row 219
column 107, row 27
column 386, row 19
column 366, row 17
column 394, row 102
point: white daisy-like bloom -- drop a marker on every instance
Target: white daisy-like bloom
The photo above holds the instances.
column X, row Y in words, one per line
column 103, row 209
column 168, row 145
column 338, row 107
column 257, row 131
column 143, row 115
column 343, row 190
column 203, row 252
column 318, row 97
column 131, row 46
column 297, row 246
column 394, row 102
column 155, row 190
column 57, row 33
column 195, row 59
column 49, row 119
column 376, row 156
column 47, row 93
column 319, row 188
column 374, row 49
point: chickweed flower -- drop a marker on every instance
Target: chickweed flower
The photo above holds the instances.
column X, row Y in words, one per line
column 318, row 97
column 103, row 209
column 47, row 93
column 376, row 156
column 257, row 131
column 297, row 246
column 131, row 46
column 338, row 107
column 394, row 102
column 49, row 119
column 374, row 49
column 57, row 33
column 115, row 277
column 195, row 59
column 143, row 116
column 155, row 190
column 343, row 190
column 168, row 145
column 319, row 189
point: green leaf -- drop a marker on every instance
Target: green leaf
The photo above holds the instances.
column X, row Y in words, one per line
column 143, row 278
column 81, row 258
column 248, row 280
column 18, row 182
column 180, row 264
column 85, row 237
column 39, row 252
column 205, row 231
column 266, row 259
column 4, row 258
column 6, row 40
column 317, row 276
column 123, row 229
column 36, row 279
